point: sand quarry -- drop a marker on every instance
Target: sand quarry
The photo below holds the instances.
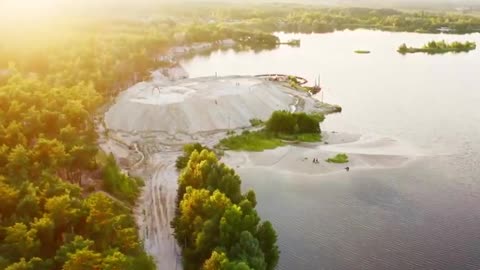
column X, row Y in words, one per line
column 149, row 123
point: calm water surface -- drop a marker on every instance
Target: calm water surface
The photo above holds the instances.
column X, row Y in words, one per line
column 423, row 216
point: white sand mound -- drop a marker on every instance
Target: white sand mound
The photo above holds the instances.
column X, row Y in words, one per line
column 195, row 105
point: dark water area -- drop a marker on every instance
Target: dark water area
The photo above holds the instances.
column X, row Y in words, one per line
column 425, row 215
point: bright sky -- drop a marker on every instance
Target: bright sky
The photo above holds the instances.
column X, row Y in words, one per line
column 24, row 9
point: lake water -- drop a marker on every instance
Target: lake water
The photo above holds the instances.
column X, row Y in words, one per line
column 422, row 216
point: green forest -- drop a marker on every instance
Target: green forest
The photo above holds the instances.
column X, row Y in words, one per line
column 315, row 19
column 216, row 225
column 54, row 214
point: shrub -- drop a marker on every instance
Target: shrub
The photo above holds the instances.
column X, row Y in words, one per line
column 339, row 158
column 294, row 123
column 252, row 141
column 281, row 122
column 255, row 122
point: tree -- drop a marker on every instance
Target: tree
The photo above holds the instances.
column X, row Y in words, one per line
column 63, row 210
column 217, row 261
column 100, row 218
column 49, row 154
column 281, row 122
column 45, row 232
column 34, row 264
column 22, row 241
column 115, row 261
column 83, row 259
column 19, row 162
column 9, row 197
column 188, row 149
column 267, row 238
column 28, row 206
column 196, row 228
column 249, row 251
column 78, row 243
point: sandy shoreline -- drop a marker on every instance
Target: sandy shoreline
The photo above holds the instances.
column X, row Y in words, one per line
column 364, row 152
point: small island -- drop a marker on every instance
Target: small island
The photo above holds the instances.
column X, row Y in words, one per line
column 439, row 47
column 362, row 52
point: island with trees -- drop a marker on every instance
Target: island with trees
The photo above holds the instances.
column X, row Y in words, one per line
column 439, row 47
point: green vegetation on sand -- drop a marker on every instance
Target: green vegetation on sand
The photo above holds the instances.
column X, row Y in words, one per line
column 362, row 52
column 339, row 158
column 282, row 126
column 439, row 47
column 252, row 141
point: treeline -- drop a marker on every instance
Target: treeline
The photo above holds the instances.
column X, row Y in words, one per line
column 308, row 19
column 214, row 32
column 51, row 216
column 216, row 225
column 437, row 47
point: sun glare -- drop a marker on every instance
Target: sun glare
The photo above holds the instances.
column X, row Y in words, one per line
column 27, row 9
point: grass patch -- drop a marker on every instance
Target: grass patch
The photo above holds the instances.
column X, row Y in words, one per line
column 262, row 140
column 252, row 141
column 303, row 137
column 339, row 158
column 362, row 52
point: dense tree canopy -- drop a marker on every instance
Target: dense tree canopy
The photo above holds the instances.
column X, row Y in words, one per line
column 55, row 213
column 217, row 226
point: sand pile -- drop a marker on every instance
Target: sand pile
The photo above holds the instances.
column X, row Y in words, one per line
column 196, row 105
